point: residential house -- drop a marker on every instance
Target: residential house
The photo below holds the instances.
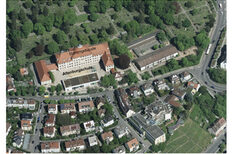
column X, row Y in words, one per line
column 26, row 116
column 161, row 85
column 23, row 71
column 121, row 131
column 93, row 140
column 85, row 106
column 47, row 147
column 75, row 145
column 174, row 79
column 73, row 115
column 185, row 76
column 123, row 102
column 26, row 125
column 89, row 126
column 158, row 112
column 50, row 120
column 132, row 145
column 120, row 149
column 49, row 131
column 10, row 84
column 134, row 91
column 18, row 138
column 147, row 89
column 179, row 93
column 70, row 130
column 107, row 137
column 101, row 112
column 8, row 127
column 67, row 108
column 218, row 127
column 117, row 75
column 173, row 100
column 145, row 126
column 52, row 109
column 155, row 58
column 195, row 87
column 99, row 102
column 21, row 103
column 107, row 121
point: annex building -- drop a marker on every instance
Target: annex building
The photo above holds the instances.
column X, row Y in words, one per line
column 154, row 58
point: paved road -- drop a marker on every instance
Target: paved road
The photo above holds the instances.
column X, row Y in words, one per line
column 213, row 148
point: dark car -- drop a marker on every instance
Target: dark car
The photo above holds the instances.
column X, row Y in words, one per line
column 32, row 142
column 212, row 87
column 206, row 82
column 202, row 73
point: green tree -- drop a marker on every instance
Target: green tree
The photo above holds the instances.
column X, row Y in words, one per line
column 70, row 17
column 161, row 36
column 108, row 80
column 93, row 38
column 131, row 78
column 59, row 88
column 45, row 11
column 111, row 30
column 186, row 23
column 27, row 28
column 60, row 37
column 168, row 19
column 51, row 76
column 22, row 16
column 218, row 75
column 17, row 44
column 39, row 50
column 48, row 22
column 53, row 89
column 189, row 4
column 52, row 47
column 73, row 41
column 42, row 90
column 182, row 42
column 93, row 17
column 58, row 20
column 39, row 29
column 202, row 40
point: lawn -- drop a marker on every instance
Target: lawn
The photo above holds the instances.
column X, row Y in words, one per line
column 29, row 43
column 189, row 138
column 196, row 4
column 185, row 31
column 200, row 19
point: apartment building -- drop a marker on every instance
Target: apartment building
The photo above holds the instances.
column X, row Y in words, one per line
column 78, row 144
column 49, row 131
column 47, row 147
column 85, row 106
column 70, row 130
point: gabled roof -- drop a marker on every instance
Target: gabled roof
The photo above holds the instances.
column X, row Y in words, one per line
column 82, row 105
column 42, row 71
column 133, row 142
column 106, row 135
column 49, row 130
column 50, row 145
column 107, row 59
column 74, row 143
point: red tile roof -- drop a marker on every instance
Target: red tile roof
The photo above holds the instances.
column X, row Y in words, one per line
column 82, row 105
column 42, row 70
column 106, row 135
column 74, row 143
column 132, row 142
column 50, row 145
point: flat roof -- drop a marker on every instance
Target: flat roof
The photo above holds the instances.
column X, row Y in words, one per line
column 80, row 80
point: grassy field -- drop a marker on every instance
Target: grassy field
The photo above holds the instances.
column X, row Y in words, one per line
column 189, row 138
column 186, row 31
column 29, row 43
column 196, row 3
column 200, row 19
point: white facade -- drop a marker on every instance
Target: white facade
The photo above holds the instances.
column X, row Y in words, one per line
column 185, row 78
column 92, row 140
column 20, row 103
column 79, row 148
column 53, row 110
column 168, row 116
column 50, row 150
column 133, row 148
column 50, row 135
column 46, row 82
column 158, row 62
column 148, row 91
column 67, row 89
column 80, row 62
column 111, row 122
column 160, row 139
column 89, row 126
column 108, row 68
column 129, row 113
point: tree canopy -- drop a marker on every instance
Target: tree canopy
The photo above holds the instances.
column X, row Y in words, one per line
column 124, row 61
column 52, row 47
